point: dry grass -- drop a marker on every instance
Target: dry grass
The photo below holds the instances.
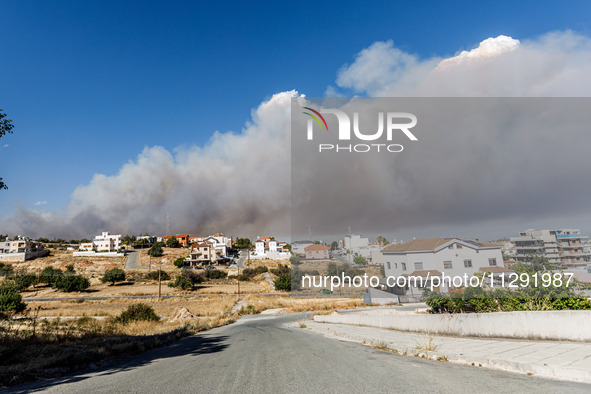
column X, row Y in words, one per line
column 166, row 261
column 259, row 304
column 206, row 306
column 87, row 266
column 33, row 349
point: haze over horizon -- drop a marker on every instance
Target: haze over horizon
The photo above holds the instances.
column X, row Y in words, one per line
column 235, row 182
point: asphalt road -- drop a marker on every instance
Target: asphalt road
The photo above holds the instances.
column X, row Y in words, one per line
column 242, row 255
column 264, row 355
column 132, row 262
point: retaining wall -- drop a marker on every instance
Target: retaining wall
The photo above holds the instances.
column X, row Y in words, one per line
column 548, row 325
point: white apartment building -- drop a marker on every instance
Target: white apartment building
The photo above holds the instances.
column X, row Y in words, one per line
column 559, row 246
column 430, row 257
column 103, row 243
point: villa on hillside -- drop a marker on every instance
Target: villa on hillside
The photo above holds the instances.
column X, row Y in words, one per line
column 270, row 248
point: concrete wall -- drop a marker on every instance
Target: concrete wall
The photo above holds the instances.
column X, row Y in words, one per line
column 376, row 296
column 95, row 254
column 548, row 325
column 17, row 257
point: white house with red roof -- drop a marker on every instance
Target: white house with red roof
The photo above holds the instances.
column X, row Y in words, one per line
column 270, row 248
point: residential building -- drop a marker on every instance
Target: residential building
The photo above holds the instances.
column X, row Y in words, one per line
column 201, row 254
column 317, row 252
column 21, row 249
column 103, row 243
column 560, row 246
column 146, row 238
column 352, row 242
column 299, row 247
column 183, row 239
column 270, row 248
column 430, row 257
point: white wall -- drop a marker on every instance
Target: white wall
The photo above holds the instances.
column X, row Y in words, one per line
column 546, row 325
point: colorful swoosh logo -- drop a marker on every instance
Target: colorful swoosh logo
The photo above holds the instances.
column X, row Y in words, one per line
column 315, row 118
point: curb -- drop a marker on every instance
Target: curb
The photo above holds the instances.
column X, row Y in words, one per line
column 559, row 372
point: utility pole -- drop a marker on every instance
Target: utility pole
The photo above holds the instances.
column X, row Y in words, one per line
column 160, row 282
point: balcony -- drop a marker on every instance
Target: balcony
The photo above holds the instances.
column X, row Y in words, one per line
column 570, row 236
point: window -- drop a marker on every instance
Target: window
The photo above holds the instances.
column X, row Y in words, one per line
column 458, row 246
column 388, row 264
column 403, row 266
column 418, row 266
column 467, row 263
column 396, row 265
column 447, row 264
column 492, row 262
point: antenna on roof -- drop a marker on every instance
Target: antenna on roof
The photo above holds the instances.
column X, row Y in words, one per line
column 350, row 233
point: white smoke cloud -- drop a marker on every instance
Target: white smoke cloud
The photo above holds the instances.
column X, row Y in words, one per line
column 239, row 183
column 553, row 65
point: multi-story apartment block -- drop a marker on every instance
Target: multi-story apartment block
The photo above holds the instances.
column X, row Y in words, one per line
column 559, row 246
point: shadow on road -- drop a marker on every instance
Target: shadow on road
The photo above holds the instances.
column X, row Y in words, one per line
column 191, row 346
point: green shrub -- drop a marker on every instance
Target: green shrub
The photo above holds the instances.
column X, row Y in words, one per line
column 70, row 282
column 215, row 274
column 154, row 275
column 156, row 250
column 280, row 270
column 360, row 260
column 10, row 298
column 181, row 282
column 113, row 275
column 249, row 273
column 283, row 282
column 180, row 262
column 6, row 269
column 137, row 312
column 173, row 242
column 22, row 279
column 187, row 279
column 49, row 275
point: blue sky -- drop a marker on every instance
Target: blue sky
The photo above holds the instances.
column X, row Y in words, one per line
column 90, row 84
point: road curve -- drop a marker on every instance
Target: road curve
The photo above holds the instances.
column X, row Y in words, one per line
column 272, row 354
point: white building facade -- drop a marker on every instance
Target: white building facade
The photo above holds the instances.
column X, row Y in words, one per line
column 103, row 243
column 428, row 257
column 270, row 248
